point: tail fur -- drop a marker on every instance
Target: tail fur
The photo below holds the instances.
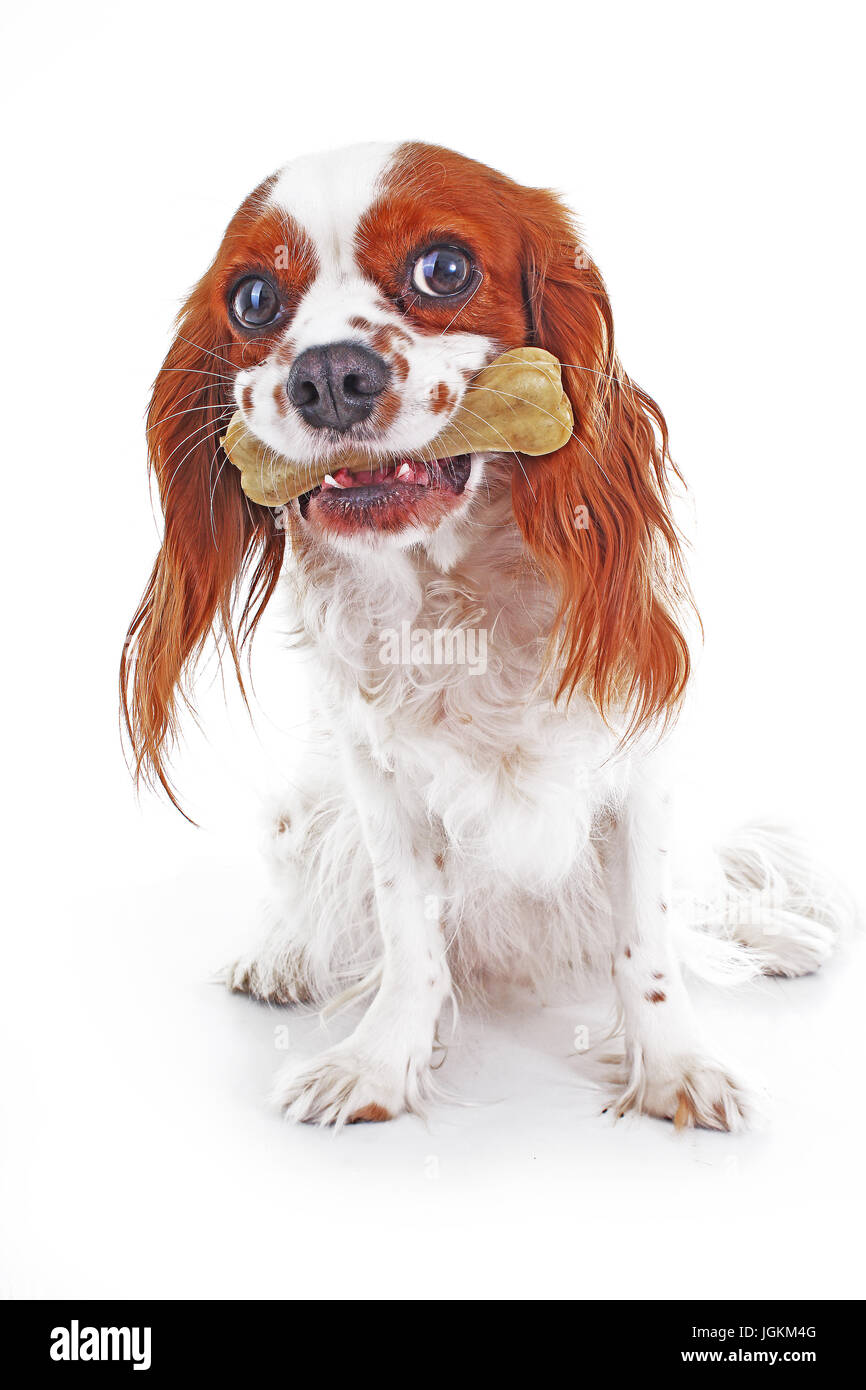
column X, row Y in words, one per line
column 770, row 909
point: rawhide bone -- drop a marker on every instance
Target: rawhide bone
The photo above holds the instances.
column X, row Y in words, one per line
column 516, row 404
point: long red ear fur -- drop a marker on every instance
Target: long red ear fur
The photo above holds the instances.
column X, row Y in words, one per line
column 213, row 538
column 596, row 514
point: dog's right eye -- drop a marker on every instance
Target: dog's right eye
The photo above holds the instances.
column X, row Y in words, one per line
column 255, row 302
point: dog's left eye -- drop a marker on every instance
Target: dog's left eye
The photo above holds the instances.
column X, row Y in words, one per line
column 255, row 302
column 442, row 270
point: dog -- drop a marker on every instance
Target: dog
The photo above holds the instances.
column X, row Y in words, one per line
column 463, row 822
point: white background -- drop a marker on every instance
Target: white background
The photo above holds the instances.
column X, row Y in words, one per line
column 714, row 155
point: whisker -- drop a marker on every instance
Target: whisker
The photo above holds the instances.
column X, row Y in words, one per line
column 209, row 425
column 469, row 450
column 573, row 434
column 198, row 371
column 507, row 450
column 188, row 410
column 213, row 494
column 468, row 300
column 209, row 351
column 620, row 380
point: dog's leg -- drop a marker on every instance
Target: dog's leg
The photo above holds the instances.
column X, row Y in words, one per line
column 293, row 961
column 669, row 1072
column 383, row 1067
column 320, row 934
column 283, row 968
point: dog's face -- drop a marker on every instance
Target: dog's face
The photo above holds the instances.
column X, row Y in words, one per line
column 351, row 301
column 361, row 291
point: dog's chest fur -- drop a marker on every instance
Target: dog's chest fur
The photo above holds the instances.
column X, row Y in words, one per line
column 513, row 791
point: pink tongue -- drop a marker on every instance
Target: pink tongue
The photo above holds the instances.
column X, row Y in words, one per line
column 415, row 474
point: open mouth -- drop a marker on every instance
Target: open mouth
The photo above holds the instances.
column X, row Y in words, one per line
column 392, row 492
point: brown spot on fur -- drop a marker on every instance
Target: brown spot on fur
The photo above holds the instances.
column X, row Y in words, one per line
column 247, row 399
column 362, row 325
column 283, row 824
column 627, row 953
column 685, row 1116
column 663, row 905
column 400, row 366
column 441, row 399
column 656, row 996
column 657, row 975
column 281, row 400
column 386, row 410
column 286, row 353
column 439, row 860
column 388, row 336
column 370, row 1114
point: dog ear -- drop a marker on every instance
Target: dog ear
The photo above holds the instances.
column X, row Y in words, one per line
column 214, row 539
column 597, row 513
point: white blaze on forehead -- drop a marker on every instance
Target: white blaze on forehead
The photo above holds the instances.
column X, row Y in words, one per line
column 327, row 195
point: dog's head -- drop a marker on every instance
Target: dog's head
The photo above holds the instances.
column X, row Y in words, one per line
column 353, row 298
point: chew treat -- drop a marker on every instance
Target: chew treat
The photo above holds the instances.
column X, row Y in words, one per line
column 515, row 405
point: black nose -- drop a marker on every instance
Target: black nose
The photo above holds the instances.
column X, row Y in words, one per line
column 336, row 386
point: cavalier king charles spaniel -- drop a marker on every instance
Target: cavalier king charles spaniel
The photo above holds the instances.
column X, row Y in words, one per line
column 499, row 640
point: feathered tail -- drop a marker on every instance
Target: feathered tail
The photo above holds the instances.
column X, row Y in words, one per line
column 770, row 908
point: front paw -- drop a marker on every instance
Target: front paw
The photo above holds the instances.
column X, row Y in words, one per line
column 284, row 980
column 344, row 1086
column 694, row 1092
